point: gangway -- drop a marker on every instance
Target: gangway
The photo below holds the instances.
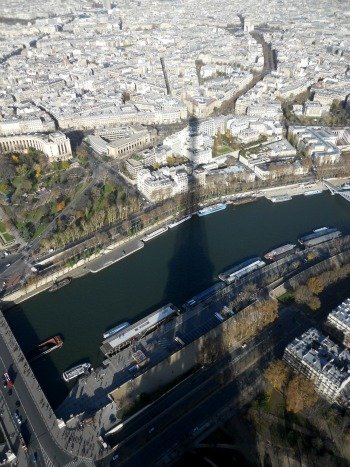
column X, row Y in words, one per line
column 335, row 190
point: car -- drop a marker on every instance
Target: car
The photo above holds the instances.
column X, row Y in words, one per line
column 151, row 430
column 18, row 417
column 244, row 346
column 115, row 457
column 18, row 404
column 7, row 380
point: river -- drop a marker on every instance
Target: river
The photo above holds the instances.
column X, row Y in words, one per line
column 170, row 268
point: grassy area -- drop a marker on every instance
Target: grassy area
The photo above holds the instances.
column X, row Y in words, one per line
column 7, row 237
column 286, row 297
column 41, row 227
column 221, row 150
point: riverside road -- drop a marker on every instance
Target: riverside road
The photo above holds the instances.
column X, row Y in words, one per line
column 199, row 399
column 33, row 428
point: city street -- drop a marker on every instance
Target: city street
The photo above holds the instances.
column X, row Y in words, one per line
column 200, row 397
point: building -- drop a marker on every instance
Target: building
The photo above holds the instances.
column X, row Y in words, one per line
column 201, row 106
column 318, row 143
column 56, row 146
column 107, row 4
column 133, row 143
column 98, row 144
column 162, row 184
column 322, row 361
column 24, row 126
column 147, row 158
column 339, row 318
column 314, row 109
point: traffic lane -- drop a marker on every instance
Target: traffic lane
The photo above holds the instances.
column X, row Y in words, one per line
column 37, row 426
column 146, row 418
column 149, row 454
column 253, row 347
column 183, row 429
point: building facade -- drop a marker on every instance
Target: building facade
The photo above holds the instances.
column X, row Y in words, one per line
column 56, row 146
column 322, row 361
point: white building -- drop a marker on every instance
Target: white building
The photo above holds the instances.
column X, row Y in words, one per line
column 322, row 361
column 56, row 146
column 162, row 184
column 340, row 319
column 318, row 143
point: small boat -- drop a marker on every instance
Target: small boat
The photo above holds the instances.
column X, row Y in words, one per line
column 175, row 224
column 154, row 234
column 44, row 347
column 280, row 199
column 59, row 284
column 76, row 371
column 211, row 209
column 312, row 192
column 280, row 252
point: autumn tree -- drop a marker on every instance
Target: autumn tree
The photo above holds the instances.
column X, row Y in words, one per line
column 314, row 304
column 302, row 294
column 300, row 394
column 315, row 284
column 277, row 375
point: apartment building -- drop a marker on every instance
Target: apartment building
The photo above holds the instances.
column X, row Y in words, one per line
column 322, row 361
column 339, row 318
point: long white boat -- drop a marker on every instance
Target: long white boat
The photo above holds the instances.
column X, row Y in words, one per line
column 280, row 199
column 154, row 234
column 116, row 329
column 312, row 192
column 76, row 371
column 241, row 270
column 211, row 209
column 175, row 224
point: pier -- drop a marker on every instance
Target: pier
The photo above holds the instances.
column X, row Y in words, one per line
column 335, row 190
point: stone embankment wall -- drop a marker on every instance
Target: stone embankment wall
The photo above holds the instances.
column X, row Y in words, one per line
column 330, row 263
column 195, row 352
column 179, row 362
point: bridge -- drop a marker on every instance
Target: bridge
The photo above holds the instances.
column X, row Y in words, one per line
column 336, row 191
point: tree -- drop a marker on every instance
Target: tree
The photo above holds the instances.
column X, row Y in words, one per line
column 29, row 229
column 300, row 394
column 302, row 294
column 315, row 284
column 277, row 374
column 60, row 206
column 314, row 304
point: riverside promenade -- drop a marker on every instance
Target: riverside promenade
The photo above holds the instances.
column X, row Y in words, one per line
column 115, row 251
column 96, row 262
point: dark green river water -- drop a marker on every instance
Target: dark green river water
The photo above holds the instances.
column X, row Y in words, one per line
column 171, row 268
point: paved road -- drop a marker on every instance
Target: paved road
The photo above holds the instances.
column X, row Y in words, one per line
column 33, row 428
column 173, row 417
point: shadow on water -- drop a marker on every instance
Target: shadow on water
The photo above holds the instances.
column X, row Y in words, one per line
column 190, row 259
column 43, row 368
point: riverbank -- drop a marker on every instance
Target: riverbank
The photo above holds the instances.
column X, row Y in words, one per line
column 115, row 252
column 94, row 264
